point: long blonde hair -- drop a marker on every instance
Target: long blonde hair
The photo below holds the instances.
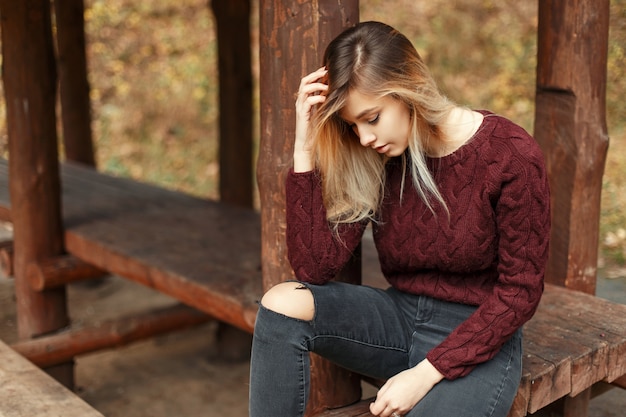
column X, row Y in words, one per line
column 377, row 60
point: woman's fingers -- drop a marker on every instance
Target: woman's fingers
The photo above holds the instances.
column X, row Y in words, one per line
column 310, row 93
column 311, row 85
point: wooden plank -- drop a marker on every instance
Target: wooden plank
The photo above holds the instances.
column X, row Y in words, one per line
column 203, row 253
column 588, row 357
column 359, row 409
column 592, row 318
column 27, row 391
column 550, row 376
column 522, row 398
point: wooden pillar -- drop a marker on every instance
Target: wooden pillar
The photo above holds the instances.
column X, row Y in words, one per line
column 293, row 37
column 570, row 125
column 235, row 100
column 29, row 76
column 232, row 20
column 74, row 84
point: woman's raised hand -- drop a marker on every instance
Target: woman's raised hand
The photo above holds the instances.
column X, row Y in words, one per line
column 311, row 93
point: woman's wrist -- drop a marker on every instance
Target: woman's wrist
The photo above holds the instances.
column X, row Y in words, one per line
column 432, row 373
column 302, row 161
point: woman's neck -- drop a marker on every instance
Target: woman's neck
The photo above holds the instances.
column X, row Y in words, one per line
column 460, row 126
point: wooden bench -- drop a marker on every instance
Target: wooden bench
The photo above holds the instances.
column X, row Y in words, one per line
column 207, row 255
column 27, row 391
column 203, row 253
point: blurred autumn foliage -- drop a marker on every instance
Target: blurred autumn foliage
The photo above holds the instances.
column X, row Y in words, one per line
column 154, row 84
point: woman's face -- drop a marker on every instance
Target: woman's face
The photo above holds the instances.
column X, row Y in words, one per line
column 383, row 124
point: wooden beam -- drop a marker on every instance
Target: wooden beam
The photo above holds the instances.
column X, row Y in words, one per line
column 570, row 125
column 29, row 76
column 620, row 382
column 235, row 101
column 5, row 214
column 293, row 37
column 6, row 258
column 74, row 84
column 61, row 347
column 58, row 271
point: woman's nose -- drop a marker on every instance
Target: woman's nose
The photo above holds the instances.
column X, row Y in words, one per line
column 366, row 137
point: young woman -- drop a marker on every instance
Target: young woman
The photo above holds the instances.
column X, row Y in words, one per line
column 459, row 206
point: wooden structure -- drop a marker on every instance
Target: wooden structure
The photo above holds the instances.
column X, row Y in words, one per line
column 218, row 258
column 29, row 391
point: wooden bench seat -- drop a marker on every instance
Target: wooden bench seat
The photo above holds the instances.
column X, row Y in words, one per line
column 203, row 253
column 27, row 391
column 207, row 255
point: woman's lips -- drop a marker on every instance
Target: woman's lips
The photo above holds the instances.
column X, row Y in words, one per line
column 382, row 148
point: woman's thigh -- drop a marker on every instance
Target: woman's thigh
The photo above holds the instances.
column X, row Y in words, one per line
column 380, row 333
column 360, row 328
column 488, row 390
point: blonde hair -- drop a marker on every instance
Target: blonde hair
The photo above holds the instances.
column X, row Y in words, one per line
column 377, row 60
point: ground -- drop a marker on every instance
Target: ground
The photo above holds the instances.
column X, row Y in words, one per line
column 177, row 375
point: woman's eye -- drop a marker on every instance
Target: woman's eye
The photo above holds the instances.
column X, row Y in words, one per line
column 374, row 120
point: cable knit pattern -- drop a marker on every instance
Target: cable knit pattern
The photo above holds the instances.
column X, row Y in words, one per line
column 490, row 252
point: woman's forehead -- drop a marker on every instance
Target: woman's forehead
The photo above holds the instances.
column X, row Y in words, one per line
column 359, row 105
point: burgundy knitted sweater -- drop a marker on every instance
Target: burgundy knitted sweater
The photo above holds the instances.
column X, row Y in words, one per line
column 491, row 252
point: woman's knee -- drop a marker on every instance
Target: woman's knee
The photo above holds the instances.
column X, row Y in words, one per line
column 291, row 299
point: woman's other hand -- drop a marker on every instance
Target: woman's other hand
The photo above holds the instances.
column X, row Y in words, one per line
column 402, row 391
column 311, row 93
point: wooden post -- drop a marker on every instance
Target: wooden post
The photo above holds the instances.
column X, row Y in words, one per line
column 570, row 125
column 29, row 76
column 235, row 103
column 74, row 85
column 6, row 258
column 232, row 20
column 292, row 40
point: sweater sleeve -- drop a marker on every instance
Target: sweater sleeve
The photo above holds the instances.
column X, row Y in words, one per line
column 315, row 251
column 523, row 222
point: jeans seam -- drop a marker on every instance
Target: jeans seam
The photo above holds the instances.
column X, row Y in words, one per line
column 303, row 387
column 360, row 342
column 504, row 380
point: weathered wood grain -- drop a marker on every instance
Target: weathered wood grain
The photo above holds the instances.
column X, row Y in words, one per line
column 27, row 391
